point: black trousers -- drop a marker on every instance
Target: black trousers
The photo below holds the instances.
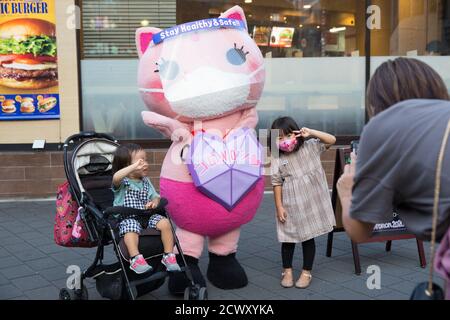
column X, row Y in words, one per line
column 309, row 251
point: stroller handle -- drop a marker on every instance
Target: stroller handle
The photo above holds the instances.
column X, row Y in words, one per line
column 89, row 135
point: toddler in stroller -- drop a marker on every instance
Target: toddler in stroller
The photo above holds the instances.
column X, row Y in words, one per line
column 88, row 164
column 133, row 189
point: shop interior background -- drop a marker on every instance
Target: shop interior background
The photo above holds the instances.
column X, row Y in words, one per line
column 317, row 74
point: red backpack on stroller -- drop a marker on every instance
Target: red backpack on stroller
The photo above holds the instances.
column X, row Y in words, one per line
column 69, row 229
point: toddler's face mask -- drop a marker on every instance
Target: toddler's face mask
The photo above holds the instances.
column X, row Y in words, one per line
column 288, row 144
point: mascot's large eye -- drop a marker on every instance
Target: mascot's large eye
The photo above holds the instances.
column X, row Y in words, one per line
column 167, row 69
column 237, row 56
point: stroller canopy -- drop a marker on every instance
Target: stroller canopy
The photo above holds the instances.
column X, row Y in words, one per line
column 92, row 157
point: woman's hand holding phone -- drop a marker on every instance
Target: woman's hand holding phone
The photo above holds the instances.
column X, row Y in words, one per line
column 345, row 182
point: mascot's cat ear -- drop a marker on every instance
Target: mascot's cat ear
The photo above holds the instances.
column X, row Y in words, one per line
column 235, row 13
column 143, row 38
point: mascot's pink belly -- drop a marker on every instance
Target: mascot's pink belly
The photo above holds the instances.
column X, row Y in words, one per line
column 195, row 212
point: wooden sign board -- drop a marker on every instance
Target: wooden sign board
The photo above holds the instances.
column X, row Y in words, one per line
column 385, row 232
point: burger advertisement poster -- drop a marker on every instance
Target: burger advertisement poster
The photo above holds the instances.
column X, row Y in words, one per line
column 28, row 60
column 281, row 37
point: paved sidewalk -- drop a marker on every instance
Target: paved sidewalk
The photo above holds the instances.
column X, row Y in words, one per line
column 33, row 267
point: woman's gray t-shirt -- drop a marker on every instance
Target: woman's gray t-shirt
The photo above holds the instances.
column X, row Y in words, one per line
column 396, row 167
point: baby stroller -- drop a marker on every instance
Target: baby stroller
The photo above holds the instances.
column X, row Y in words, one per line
column 88, row 160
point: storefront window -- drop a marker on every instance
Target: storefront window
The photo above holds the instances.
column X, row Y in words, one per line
column 414, row 28
column 314, row 52
column 111, row 102
column 312, row 48
column 109, row 25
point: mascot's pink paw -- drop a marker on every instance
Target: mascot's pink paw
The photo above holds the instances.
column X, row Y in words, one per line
column 173, row 129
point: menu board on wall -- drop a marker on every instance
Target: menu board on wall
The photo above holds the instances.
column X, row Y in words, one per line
column 28, row 60
column 281, row 37
column 261, row 35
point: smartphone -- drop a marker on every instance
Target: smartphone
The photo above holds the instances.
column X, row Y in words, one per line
column 347, row 156
column 355, row 146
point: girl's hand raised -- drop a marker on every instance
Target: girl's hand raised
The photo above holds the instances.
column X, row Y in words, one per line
column 303, row 132
column 140, row 166
column 326, row 138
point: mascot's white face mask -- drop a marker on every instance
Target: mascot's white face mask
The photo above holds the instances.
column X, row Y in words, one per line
column 208, row 73
column 208, row 92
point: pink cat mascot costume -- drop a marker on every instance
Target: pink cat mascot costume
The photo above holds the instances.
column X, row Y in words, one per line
column 196, row 79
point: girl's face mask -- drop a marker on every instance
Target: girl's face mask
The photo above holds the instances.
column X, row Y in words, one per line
column 288, row 144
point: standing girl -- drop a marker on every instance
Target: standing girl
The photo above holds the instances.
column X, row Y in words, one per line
column 302, row 198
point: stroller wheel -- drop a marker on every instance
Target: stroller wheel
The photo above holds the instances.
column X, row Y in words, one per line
column 69, row 294
column 195, row 293
column 202, row 294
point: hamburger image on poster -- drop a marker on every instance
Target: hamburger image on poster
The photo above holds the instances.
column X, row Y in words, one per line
column 8, row 106
column 28, row 55
column 27, row 105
